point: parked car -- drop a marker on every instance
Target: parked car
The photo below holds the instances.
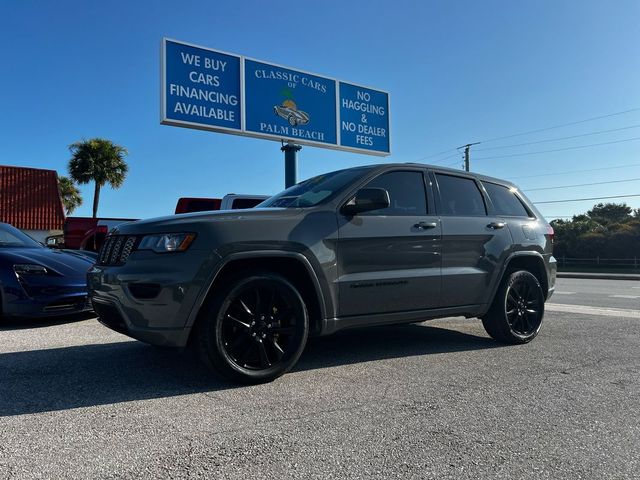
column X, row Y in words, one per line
column 38, row 281
column 364, row 246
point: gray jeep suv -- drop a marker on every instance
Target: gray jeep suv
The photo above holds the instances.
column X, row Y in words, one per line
column 364, row 246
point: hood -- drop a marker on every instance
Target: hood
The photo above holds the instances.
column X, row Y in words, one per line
column 185, row 220
column 61, row 262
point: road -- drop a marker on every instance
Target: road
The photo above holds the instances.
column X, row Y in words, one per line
column 598, row 293
column 437, row 400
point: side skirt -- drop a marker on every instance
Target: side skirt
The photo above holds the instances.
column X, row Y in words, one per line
column 332, row 325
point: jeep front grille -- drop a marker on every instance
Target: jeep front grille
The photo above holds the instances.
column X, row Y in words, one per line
column 116, row 249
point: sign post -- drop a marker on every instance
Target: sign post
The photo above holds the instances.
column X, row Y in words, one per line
column 222, row 92
column 290, row 163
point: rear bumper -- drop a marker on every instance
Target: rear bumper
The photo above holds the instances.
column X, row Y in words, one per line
column 552, row 272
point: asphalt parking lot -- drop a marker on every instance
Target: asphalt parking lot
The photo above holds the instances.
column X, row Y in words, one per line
column 432, row 400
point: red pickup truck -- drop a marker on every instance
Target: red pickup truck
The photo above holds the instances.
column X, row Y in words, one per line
column 87, row 233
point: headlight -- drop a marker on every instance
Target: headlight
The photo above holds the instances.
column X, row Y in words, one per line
column 30, row 269
column 167, row 242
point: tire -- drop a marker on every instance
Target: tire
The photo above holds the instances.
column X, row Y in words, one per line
column 517, row 311
column 255, row 328
column 292, row 121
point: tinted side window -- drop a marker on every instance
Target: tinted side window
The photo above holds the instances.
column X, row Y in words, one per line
column 460, row 196
column 407, row 194
column 245, row 203
column 505, row 201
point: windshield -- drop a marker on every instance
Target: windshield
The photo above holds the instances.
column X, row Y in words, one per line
column 12, row 237
column 314, row 190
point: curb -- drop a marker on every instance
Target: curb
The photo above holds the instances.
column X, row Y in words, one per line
column 599, row 276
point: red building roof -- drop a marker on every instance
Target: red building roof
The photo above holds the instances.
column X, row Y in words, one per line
column 30, row 199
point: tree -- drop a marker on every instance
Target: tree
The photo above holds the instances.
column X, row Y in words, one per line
column 100, row 161
column 608, row 230
column 70, row 194
column 606, row 213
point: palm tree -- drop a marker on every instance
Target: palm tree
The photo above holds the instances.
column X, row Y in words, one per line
column 98, row 160
column 70, row 194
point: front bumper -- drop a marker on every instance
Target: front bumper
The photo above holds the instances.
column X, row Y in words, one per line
column 44, row 297
column 151, row 297
column 111, row 316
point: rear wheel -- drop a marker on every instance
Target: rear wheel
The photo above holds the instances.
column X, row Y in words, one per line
column 517, row 310
column 255, row 328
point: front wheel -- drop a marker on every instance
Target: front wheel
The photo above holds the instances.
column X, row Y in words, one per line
column 255, row 328
column 516, row 314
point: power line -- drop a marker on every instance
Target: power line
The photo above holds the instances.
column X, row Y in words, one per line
column 599, row 132
column 445, row 158
column 561, row 125
column 534, row 131
column 436, row 154
column 457, row 162
column 582, row 185
column 585, row 199
column 561, row 149
column 578, row 171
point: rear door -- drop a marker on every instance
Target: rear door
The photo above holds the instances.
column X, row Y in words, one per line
column 521, row 222
column 389, row 259
column 474, row 243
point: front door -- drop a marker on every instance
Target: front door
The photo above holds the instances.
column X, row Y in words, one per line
column 389, row 259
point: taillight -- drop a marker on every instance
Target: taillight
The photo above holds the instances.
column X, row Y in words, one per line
column 102, row 229
column 550, row 233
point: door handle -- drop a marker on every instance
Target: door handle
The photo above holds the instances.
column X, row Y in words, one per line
column 496, row 225
column 425, row 225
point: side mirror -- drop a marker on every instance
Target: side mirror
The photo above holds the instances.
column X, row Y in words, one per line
column 53, row 241
column 367, row 199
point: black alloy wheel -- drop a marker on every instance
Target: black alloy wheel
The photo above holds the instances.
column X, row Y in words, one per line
column 524, row 306
column 517, row 311
column 256, row 330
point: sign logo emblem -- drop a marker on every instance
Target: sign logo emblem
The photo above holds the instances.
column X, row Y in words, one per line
column 289, row 110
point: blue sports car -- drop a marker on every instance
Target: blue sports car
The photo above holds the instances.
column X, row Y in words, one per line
column 38, row 281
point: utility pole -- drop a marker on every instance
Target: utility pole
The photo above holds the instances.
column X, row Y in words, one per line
column 467, row 148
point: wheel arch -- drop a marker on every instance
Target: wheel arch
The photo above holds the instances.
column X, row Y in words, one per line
column 532, row 262
column 293, row 266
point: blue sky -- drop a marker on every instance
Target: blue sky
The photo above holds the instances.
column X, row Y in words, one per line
column 457, row 72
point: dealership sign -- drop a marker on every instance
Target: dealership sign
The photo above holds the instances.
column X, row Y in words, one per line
column 212, row 90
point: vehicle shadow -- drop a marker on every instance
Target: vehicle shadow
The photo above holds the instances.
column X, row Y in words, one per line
column 15, row 323
column 89, row 375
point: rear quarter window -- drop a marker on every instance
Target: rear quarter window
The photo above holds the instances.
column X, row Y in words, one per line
column 505, row 202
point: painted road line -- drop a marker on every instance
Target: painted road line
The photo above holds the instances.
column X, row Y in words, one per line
column 564, row 293
column 606, row 312
column 625, row 296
